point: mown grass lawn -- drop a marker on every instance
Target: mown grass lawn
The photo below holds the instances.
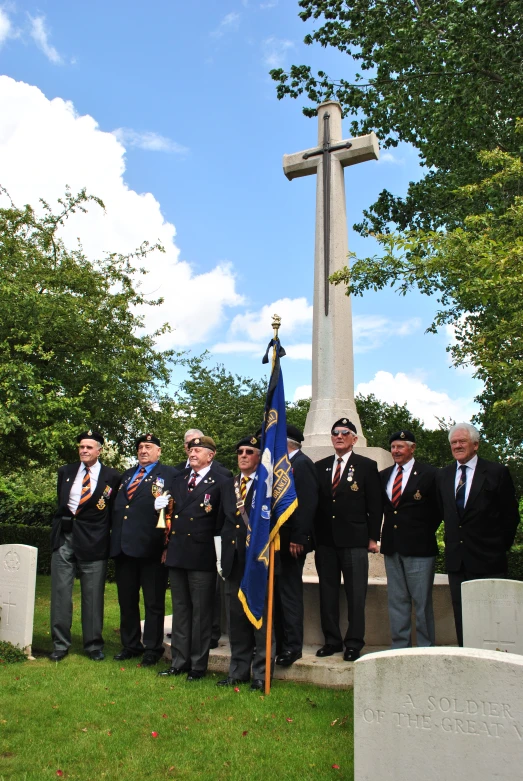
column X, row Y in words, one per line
column 96, row 720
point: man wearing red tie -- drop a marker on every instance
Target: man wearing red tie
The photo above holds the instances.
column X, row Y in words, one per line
column 347, row 525
column 80, row 543
column 408, row 541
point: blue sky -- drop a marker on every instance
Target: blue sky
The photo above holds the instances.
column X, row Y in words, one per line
column 167, row 112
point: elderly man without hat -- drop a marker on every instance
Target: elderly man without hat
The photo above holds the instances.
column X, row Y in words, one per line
column 408, row 541
column 347, row 527
column 481, row 515
column 80, row 543
column 137, row 546
column 247, row 643
column 296, row 540
column 191, row 559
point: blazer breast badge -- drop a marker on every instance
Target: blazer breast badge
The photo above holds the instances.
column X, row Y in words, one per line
column 417, row 496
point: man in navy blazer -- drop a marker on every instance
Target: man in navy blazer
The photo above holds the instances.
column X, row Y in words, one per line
column 137, row 546
column 347, row 527
column 80, row 543
column 408, row 541
column 481, row 515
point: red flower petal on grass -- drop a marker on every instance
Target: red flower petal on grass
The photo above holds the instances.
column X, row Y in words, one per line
column 59, row 772
column 164, row 715
column 122, row 668
column 289, row 720
column 154, row 734
column 335, row 767
column 236, row 688
column 245, row 731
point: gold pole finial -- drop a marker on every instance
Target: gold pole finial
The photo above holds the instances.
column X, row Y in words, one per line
column 276, row 322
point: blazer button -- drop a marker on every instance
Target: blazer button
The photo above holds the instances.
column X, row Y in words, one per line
column 126, row 506
column 232, row 542
column 201, row 505
column 395, row 512
column 125, row 517
column 191, row 519
column 334, row 516
column 334, row 501
column 395, row 527
column 189, row 534
column 237, row 525
column 176, row 516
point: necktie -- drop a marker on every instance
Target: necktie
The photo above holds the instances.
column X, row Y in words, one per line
column 192, row 482
column 136, row 482
column 396, row 487
column 243, row 488
column 461, row 490
column 86, row 489
column 337, row 475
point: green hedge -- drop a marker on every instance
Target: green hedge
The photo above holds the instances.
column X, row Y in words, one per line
column 38, row 537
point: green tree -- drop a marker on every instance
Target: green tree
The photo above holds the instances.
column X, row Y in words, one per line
column 71, row 356
column 443, row 75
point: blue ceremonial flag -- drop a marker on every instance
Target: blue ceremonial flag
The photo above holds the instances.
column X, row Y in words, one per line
column 274, row 499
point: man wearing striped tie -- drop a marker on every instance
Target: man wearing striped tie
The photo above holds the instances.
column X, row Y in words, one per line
column 347, row 526
column 80, row 543
column 408, row 541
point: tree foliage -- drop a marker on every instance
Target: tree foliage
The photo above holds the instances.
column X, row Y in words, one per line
column 71, row 353
column 443, row 75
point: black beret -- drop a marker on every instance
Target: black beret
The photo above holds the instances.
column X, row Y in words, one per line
column 294, row 433
column 404, row 436
column 344, row 423
column 207, row 442
column 250, row 441
column 91, row 435
column 148, row 438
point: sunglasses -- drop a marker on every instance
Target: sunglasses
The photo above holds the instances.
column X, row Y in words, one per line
column 343, row 431
column 245, row 451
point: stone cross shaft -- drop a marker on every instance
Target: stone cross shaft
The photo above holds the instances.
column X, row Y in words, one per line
column 332, row 342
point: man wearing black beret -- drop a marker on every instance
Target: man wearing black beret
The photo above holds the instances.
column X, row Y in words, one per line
column 347, row 527
column 408, row 541
column 295, row 542
column 137, row 546
column 80, row 542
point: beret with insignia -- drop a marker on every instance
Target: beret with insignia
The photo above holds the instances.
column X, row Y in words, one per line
column 344, row 422
column 294, row 433
column 402, row 436
column 90, row 435
column 249, row 441
column 207, row 442
column 147, row 438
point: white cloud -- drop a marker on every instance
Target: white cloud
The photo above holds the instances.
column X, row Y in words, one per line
column 229, row 23
column 6, row 28
column 371, row 331
column 274, row 51
column 268, row 4
column 252, row 348
column 40, row 35
column 44, row 145
column 421, row 401
column 294, row 312
column 302, row 392
column 148, row 140
column 388, row 157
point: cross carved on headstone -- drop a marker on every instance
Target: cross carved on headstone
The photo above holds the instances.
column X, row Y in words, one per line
column 8, row 605
column 494, row 644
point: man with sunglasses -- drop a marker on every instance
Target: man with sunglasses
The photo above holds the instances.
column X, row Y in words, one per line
column 236, row 506
column 347, row 526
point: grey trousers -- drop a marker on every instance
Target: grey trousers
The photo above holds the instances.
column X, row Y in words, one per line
column 64, row 566
column 243, row 636
column 410, row 580
column 192, row 593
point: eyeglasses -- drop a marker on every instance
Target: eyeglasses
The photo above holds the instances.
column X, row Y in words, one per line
column 343, row 431
column 245, row 451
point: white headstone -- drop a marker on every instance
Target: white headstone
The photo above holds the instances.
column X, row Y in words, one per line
column 431, row 714
column 493, row 614
column 17, row 594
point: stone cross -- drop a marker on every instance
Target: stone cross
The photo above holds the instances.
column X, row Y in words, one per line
column 332, row 349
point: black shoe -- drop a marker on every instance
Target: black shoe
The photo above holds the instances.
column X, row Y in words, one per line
column 149, row 659
column 214, row 644
column 125, row 654
column 257, row 684
column 195, row 675
column 57, row 656
column 286, row 658
column 351, row 654
column 172, row 671
column 328, row 649
column 96, row 656
column 230, row 682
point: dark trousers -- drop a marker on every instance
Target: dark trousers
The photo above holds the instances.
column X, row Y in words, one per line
column 193, row 593
column 133, row 574
column 243, row 635
column 64, row 566
column 455, row 581
column 354, row 564
column 289, row 604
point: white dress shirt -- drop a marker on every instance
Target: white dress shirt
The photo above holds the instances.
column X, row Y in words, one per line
column 76, row 488
column 407, row 469
column 200, row 475
column 471, row 468
column 344, row 460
